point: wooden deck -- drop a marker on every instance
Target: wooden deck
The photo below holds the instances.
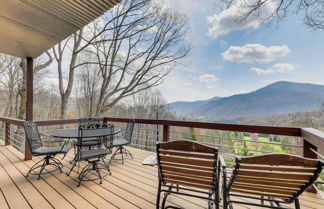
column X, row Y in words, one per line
column 131, row 185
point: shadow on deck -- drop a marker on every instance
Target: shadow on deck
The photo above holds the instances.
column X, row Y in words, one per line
column 131, row 185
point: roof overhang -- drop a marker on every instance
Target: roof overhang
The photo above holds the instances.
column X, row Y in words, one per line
column 28, row 28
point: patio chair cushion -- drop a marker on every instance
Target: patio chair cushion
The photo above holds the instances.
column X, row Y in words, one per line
column 52, row 150
column 93, row 153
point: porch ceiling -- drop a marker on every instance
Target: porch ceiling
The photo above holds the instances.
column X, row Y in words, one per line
column 30, row 27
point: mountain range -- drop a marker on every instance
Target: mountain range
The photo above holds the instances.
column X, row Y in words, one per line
column 281, row 97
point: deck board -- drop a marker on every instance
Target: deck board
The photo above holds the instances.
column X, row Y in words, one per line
column 131, row 185
column 35, row 199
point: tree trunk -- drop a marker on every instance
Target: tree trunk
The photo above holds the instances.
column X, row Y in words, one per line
column 64, row 102
column 23, row 92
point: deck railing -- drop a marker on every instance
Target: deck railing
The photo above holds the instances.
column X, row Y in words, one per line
column 229, row 138
column 310, row 142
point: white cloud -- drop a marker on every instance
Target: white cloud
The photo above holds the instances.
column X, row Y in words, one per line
column 283, row 67
column 227, row 20
column 255, row 53
column 260, row 71
column 207, row 78
column 276, row 68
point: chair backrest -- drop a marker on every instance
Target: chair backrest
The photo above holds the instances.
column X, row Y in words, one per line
column 90, row 122
column 108, row 140
column 32, row 135
column 280, row 176
column 89, row 126
column 187, row 163
column 129, row 130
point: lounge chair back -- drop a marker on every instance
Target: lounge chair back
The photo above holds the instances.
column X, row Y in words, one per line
column 187, row 163
column 280, row 176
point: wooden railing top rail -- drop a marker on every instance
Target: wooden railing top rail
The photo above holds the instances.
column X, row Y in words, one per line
column 286, row 131
column 12, row 121
column 313, row 136
column 56, row 122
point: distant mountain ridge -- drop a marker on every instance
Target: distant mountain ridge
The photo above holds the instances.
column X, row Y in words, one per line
column 278, row 98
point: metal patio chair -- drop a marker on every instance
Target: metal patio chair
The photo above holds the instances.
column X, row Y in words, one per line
column 272, row 179
column 94, row 157
column 120, row 142
column 187, row 168
column 38, row 148
column 88, row 142
column 90, row 123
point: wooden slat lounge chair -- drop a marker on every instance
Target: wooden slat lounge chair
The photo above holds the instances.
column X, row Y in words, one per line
column 187, row 166
column 272, row 179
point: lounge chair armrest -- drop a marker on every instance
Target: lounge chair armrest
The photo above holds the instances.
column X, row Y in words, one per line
column 222, row 162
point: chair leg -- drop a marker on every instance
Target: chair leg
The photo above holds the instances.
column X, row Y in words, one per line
column 73, row 165
column 297, row 205
column 41, row 170
column 83, row 173
column 113, row 156
column 158, row 196
column 166, row 194
column 98, row 172
column 106, row 165
column 210, row 202
column 216, row 200
column 34, row 166
column 128, row 153
column 123, row 152
column 225, row 204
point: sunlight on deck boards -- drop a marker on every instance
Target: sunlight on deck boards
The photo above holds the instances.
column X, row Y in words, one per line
column 131, row 185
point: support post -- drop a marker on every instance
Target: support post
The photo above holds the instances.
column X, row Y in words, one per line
column 7, row 134
column 30, row 100
column 307, row 152
column 166, row 133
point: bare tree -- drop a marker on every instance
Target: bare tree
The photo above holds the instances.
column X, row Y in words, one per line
column 40, row 64
column 88, row 90
column 13, row 82
column 60, row 52
column 136, row 50
column 312, row 10
column 133, row 45
column 9, row 81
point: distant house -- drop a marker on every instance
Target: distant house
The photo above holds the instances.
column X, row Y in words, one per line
column 246, row 134
column 254, row 136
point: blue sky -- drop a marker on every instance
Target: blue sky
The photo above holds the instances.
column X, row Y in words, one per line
column 229, row 59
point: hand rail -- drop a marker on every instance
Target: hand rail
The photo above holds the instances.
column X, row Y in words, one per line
column 13, row 121
column 313, row 138
column 287, row 131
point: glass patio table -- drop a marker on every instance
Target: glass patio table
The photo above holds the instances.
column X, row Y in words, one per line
column 89, row 133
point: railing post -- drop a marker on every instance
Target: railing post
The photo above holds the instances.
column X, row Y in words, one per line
column 30, row 99
column 104, row 120
column 7, row 134
column 166, row 133
column 307, row 152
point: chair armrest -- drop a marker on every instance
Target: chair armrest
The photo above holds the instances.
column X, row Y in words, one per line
column 223, row 170
column 222, row 162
